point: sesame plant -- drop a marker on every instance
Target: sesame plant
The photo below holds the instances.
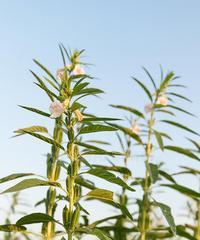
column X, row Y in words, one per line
column 68, row 152
column 147, row 137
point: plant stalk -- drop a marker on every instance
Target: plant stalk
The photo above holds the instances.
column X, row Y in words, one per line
column 146, row 183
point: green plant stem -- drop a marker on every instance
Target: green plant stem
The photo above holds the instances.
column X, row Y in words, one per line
column 146, row 183
column 53, row 174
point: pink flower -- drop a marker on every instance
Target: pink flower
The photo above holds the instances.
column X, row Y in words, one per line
column 162, row 100
column 148, row 108
column 56, row 109
column 79, row 115
column 135, row 128
column 60, row 73
column 78, row 70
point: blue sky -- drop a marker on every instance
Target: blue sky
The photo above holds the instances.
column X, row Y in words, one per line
column 119, row 38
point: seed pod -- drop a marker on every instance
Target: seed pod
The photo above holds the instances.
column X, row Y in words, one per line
column 49, row 165
column 77, row 193
column 65, row 215
column 75, row 218
column 57, row 173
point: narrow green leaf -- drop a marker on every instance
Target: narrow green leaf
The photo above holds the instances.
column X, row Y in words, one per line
column 127, row 131
column 181, row 110
column 96, row 128
column 29, row 183
column 46, row 70
column 179, row 96
column 12, row 228
column 118, row 169
column 129, row 109
column 166, row 210
column 110, row 177
column 101, row 194
column 184, row 190
column 45, row 139
column 31, row 129
column 151, row 78
column 99, row 119
column 35, row 110
column 182, row 151
column 144, row 88
column 167, row 176
column 180, row 126
column 15, row 176
column 94, row 231
column 35, row 218
column 154, row 172
column 159, row 139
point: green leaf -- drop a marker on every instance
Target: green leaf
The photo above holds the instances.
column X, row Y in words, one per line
column 46, row 70
column 35, row 218
column 144, row 88
column 43, row 86
column 151, row 78
column 96, row 128
column 31, row 129
column 165, row 83
column 181, row 232
column 29, row 183
column 184, row 190
column 181, row 110
column 94, row 231
column 129, row 109
column 118, row 169
column 180, row 126
column 182, row 151
column 14, row 176
column 45, row 139
column 101, row 194
column 79, row 87
column 90, row 91
column 12, row 228
column 110, row 177
column 154, row 172
column 179, row 96
column 127, row 131
column 166, row 210
column 99, row 119
column 167, row 176
column 159, row 139
column 35, row 110
column 84, row 183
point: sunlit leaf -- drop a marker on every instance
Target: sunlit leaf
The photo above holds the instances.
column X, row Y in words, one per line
column 29, row 183
column 101, row 194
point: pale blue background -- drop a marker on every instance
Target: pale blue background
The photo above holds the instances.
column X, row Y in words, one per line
column 119, row 38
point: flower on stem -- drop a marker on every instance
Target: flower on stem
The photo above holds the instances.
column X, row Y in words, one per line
column 79, row 115
column 60, row 73
column 56, row 109
column 148, row 108
column 135, row 128
column 78, row 70
column 162, row 100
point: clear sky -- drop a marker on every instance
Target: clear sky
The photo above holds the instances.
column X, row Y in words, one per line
column 119, row 38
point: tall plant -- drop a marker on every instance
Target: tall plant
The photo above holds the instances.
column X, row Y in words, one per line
column 145, row 132
column 65, row 92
